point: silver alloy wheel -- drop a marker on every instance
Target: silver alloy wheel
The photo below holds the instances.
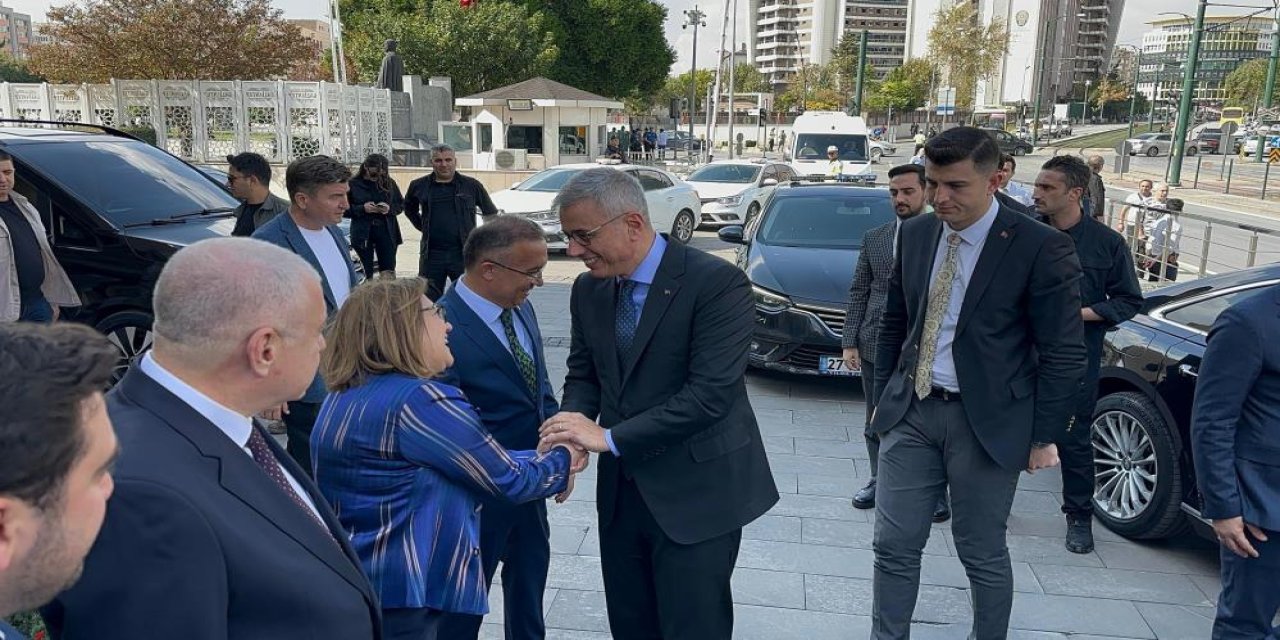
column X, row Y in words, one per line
column 132, row 342
column 1125, row 466
column 684, row 226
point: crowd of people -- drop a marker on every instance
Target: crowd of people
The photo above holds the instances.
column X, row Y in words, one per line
column 423, row 434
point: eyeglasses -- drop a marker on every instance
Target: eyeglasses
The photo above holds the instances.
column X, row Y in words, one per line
column 583, row 238
column 535, row 275
column 435, row 310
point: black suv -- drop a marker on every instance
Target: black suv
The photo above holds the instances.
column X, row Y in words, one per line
column 115, row 208
column 1009, row 143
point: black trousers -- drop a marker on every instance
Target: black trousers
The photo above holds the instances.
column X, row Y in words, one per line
column 519, row 537
column 411, row 624
column 439, row 265
column 658, row 589
column 872, row 439
column 298, row 424
column 1075, row 447
column 379, row 245
column 1249, row 600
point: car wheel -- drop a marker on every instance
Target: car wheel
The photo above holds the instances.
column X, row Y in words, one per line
column 1019, row 151
column 682, row 230
column 876, row 153
column 1137, row 475
column 752, row 212
column 1153, row 152
column 130, row 333
column 1191, row 151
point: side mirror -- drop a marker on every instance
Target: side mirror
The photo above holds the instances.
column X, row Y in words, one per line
column 515, row 184
column 731, row 234
column 769, row 182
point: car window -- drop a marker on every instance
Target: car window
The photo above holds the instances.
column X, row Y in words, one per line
column 822, row 221
column 770, row 173
column 735, row 173
column 1164, row 136
column 785, row 174
column 1201, row 315
column 652, row 180
column 550, row 180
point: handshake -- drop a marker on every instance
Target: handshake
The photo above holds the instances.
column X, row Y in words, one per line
column 576, row 433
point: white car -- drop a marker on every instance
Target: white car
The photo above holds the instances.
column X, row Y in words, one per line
column 673, row 204
column 1151, row 144
column 879, row 149
column 733, row 191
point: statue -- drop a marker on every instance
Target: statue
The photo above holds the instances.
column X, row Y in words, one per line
column 391, row 75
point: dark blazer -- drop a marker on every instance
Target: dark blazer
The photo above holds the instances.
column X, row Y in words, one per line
column 487, row 374
column 1007, row 201
column 1019, row 347
column 363, row 191
column 678, row 407
column 246, row 224
column 198, row 543
column 1235, row 420
column 471, row 196
column 868, row 292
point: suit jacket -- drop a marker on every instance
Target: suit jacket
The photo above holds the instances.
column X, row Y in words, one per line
column 283, row 231
column 678, row 406
column 1019, row 347
column 363, row 191
column 488, row 375
column 1007, row 201
column 198, row 543
column 868, row 292
column 1235, row 419
column 246, row 224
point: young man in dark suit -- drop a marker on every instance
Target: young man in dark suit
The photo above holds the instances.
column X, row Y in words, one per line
column 499, row 363
column 658, row 356
column 1235, row 431
column 978, row 362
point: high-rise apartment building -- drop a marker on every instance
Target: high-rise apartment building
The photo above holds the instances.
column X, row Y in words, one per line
column 788, row 34
column 16, row 30
column 1228, row 42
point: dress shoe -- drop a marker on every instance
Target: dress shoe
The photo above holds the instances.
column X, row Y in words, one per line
column 1080, row 534
column 865, row 498
column 943, row 511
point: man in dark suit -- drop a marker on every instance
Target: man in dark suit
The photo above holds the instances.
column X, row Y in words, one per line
column 978, row 361
column 658, row 355
column 318, row 187
column 213, row 531
column 499, row 363
column 1235, row 431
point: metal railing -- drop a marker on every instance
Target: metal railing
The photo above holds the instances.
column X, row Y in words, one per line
column 1233, row 175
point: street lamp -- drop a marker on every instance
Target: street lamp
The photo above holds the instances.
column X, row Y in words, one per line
column 1087, row 84
column 695, row 20
column 1184, row 105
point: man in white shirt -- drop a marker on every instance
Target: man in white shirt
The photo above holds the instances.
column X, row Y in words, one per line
column 317, row 199
column 1163, row 243
column 1134, row 213
column 663, row 139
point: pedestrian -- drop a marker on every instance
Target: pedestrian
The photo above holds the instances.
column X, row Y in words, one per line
column 661, row 333
column 1235, row 425
column 614, row 151
column 318, row 187
column 978, row 362
column 915, row 128
column 772, row 135
column 664, row 139
column 650, row 142
column 249, row 178
column 866, row 305
column 1096, row 202
column 1164, row 242
column 57, row 446
column 1134, row 214
column 1011, row 194
column 408, row 459
column 213, row 531
column 835, row 166
column 443, row 205
column 375, row 201
column 501, row 367
column 33, row 285
column 1109, row 295
column 919, row 138
column 918, row 159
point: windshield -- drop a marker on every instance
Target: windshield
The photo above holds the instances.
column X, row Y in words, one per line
column 813, row 146
column 125, row 181
column 735, row 173
column 550, row 180
column 823, row 221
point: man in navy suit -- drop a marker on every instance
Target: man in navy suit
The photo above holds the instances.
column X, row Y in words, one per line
column 213, row 531
column 317, row 201
column 1235, row 440
column 500, row 365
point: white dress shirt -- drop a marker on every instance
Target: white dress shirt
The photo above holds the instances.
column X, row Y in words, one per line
column 491, row 315
column 1166, row 234
column 232, row 424
column 972, row 239
column 1019, row 192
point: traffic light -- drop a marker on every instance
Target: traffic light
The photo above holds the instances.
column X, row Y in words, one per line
column 673, row 111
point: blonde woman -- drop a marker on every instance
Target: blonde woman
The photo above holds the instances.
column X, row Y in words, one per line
column 404, row 459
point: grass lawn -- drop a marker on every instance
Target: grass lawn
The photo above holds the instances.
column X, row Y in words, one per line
column 1105, row 139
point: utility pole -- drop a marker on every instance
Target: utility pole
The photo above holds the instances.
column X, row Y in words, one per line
column 862, row 67
column 713, row 105
column 1155, row 97
column 1044, row 50
column 695, row 20
column 1133, row 92
column 335, row 46
column 733, row 64
column 1270, row 87
column 1184, row 105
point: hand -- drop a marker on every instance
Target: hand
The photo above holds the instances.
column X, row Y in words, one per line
column 1045, row 457
column 57, row 311
column 1231, row 533
column 573, row 427
column 851, row 358
column 384, row 208
column 564, row 495
column 370, row 207
column 275, row 413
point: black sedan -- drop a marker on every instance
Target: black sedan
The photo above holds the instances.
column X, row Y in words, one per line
column 1145, row 485
column 799, row 254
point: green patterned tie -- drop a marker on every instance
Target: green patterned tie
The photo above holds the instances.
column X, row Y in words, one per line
column 939, row 300
column 523, row 361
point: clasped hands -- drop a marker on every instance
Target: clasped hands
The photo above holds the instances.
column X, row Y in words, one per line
column 579, row 435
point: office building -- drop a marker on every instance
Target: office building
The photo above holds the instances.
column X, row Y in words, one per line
column 788, row 34
column 1228, row 42
column 16, row 29
column 317, row 31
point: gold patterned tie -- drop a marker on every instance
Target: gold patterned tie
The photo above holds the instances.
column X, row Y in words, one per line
column 939, row 300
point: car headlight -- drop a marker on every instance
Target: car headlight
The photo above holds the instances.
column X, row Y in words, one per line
column 543, row 216
column 731, row 201
column 769, row 301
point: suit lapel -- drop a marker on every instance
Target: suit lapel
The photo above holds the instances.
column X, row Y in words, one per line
column 479, row 333
column 999, row 239
column 294, row 235
column 664, row 289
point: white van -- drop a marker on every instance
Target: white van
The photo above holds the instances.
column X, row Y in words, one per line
column 815, row 131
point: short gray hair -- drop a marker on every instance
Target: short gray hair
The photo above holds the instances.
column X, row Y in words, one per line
column 498, row 234
column 212, row 294
column 1097, row 162
column 617, row 192
column 437, row 149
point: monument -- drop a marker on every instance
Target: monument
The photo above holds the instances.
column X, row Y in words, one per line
column 391, row 75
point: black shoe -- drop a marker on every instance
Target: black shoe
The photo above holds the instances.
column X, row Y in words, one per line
column 865, row 498
column 943, row 512
column 1080, row 534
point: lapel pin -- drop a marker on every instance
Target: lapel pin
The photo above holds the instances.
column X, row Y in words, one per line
column 666, row 292
column 1004, row 234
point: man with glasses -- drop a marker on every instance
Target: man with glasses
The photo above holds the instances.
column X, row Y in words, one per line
column 249, row 178
column 658, row 356
column 500, row 365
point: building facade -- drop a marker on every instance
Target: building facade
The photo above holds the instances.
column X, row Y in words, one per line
column 789, row 34
column 16, row 29
column 1228, row 42
column 317, row 31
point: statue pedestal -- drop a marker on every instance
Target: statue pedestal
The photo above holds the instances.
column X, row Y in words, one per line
column 426, row 106
column 401, row 116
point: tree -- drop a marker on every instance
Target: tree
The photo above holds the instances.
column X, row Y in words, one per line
column 1108, row 90
column 748, row 79
column 811, row 88
column 677, row 87
column 96, row 40
column 614, row 48
column 904, row 88
column 967, row 49
column 1244, row 85
column 15, row 71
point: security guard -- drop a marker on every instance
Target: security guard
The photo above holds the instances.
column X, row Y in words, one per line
column 836, row 166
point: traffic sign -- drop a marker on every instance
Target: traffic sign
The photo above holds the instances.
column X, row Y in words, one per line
column 946, row 101
column 1273, row 156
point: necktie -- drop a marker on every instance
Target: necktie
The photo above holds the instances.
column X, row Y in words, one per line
column 525, row 363
column 628, row 317
column 267, row 461
column 939, row 300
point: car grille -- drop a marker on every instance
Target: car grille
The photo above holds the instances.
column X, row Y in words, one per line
column 807, row 357
column 833, row 319
column 707, row 200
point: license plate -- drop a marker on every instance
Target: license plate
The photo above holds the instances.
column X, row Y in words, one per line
column 835, row 366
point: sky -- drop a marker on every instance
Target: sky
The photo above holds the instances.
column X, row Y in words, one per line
column 1133, row 23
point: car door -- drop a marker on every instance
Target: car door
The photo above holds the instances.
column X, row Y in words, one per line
column 663, row 202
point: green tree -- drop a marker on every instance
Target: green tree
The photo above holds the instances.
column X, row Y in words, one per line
column 1244, row 85
column 904, row 88
column 677, row 87
column 811, row 88
column 15, row 71
column 969, row 50
column 615, row 48
column 1108, row 90
column 748, row 79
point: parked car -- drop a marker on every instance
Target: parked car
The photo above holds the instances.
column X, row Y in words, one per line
column 880, row 149
column 1207, row 141
column 1145, row 484
column 799, row 255
column 1249, row 146
column 673, row 204
column 733, row 190
column 680, row 140
column 116, row 208
column 1009, row 143
column 1150, row 144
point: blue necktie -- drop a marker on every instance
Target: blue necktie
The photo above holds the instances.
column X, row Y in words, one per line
column 628, row 317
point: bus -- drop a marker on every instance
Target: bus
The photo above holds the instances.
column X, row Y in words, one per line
column 1232, row 114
